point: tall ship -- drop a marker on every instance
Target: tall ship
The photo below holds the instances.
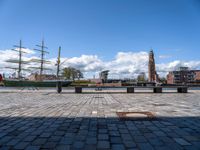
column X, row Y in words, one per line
column 37, row 66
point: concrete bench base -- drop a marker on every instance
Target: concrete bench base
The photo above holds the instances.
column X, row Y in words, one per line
column 157, row 90
column 182, row 89
column 78, row 89
column 130, row 89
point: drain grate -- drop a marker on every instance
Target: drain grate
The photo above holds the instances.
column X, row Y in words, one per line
column 155, row 104
column 142, row 116
column 98, row 97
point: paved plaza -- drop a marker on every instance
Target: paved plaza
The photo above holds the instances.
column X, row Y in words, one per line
column 47, row 120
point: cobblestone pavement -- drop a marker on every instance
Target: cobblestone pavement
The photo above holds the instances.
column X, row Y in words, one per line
column 47, row 120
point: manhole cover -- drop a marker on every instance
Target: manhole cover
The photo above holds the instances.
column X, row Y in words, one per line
column 136, row 115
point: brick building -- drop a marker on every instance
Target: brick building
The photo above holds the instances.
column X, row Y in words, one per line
column 183, row 75
column 197, row 75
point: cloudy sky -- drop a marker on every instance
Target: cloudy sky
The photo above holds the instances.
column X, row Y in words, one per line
column 123, row 64
column 104, row 34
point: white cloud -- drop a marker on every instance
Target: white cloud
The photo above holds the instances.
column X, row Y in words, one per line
column 124, row 64
column 85, row 63
column 164, row 68
column 128, row 63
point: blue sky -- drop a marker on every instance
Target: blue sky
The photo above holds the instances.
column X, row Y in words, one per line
column 104, row 27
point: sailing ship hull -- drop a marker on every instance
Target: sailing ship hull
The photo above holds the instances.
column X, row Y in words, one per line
column 23, row 83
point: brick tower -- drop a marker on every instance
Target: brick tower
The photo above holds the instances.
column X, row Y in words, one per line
column 151, row 67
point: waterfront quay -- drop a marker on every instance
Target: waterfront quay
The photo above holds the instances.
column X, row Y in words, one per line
column 47, row 120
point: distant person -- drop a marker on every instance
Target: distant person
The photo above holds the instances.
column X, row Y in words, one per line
column 1, row 78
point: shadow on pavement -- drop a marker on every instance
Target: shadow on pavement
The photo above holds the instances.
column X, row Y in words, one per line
column 99, row 133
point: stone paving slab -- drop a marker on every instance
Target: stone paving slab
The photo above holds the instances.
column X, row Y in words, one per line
column 47, row 120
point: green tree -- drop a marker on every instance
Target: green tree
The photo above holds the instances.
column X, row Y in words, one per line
column 79, row 74
column 71, row 73
column 141, row 77
column 163, row 80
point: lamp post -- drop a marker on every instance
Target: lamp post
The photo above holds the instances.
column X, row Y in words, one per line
column 59, row 83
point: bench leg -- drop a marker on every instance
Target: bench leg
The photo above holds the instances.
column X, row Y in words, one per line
column 78, row 89
column 130, row 89
column 157, row 90
column 182, row 90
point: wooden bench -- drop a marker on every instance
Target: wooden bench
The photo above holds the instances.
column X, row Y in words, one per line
column 131, row 89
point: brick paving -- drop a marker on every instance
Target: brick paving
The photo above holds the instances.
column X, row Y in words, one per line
column 47, row 120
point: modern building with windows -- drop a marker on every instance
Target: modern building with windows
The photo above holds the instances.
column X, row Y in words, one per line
column 183, row 75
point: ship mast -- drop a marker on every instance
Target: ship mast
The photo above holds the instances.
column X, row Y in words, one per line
column 42, row 54
column 18, row 48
